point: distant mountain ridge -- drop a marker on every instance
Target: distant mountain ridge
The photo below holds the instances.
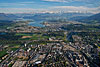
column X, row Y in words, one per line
column 88, row 19
column 53, row 16
column 8, row 17
column 95, row 17
column 45, row 16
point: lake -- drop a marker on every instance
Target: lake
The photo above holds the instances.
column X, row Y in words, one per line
column 3, row 33
column 36, row 24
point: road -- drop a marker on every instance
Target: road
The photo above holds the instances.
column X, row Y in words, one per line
column 1, row 64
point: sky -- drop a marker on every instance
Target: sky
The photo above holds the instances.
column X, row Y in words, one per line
column 52, row 6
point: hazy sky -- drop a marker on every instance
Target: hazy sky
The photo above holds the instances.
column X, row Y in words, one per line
column 27, row 6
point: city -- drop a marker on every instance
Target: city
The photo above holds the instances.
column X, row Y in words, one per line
column 50, row 33
column 50, row 46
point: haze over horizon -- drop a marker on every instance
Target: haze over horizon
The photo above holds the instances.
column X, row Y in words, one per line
column 51, row 6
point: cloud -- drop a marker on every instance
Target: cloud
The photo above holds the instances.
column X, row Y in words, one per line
column 86, row 1
column 27, row 2
column 16, row 10
column 81, row 9
column 54, row 9
column 56, row 0
column 15, row 4
column 89, row 3
column 23, row 10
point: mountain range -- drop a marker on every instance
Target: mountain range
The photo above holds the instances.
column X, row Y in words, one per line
column 9, row 17
column 81, row 17
column 88, row 19
column 55, row 16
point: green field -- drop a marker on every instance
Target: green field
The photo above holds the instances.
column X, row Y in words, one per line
column 2, row 53
column 22, row 34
